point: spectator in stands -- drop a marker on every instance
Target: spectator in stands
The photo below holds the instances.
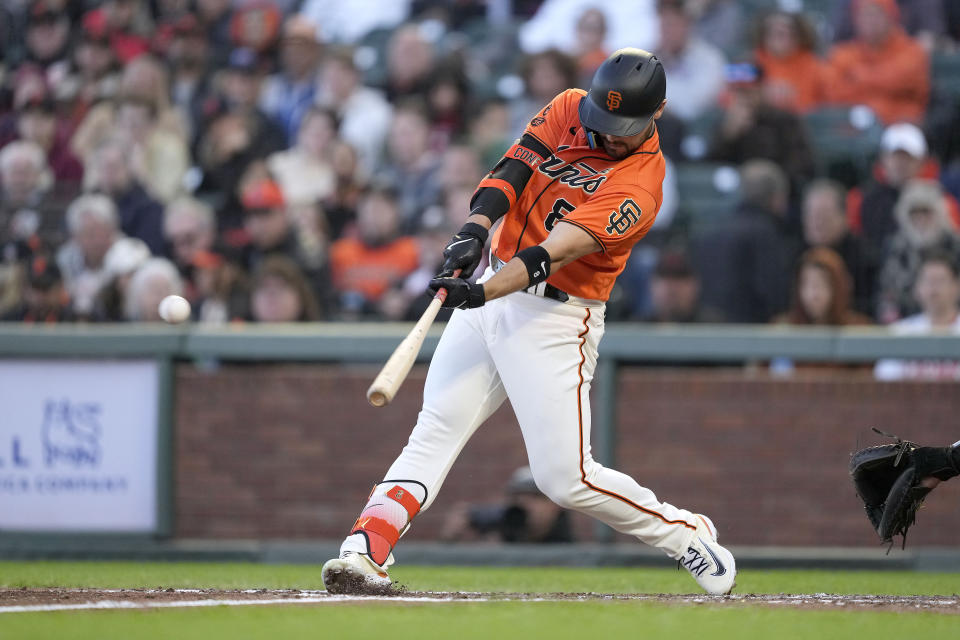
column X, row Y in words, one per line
column 630, row 24
column 281, row 293
column 159, row 158
column 675, row 292
column 491, row 131
column 47, row 36
column 27, row 206
column 215, row 17
column 745, row 265
column 410, row 63
column 825, row 225
column 348, row 22
column 695, row 68
column 305, row 171
column 37, row 122
column 793, row 77
column 447, row 98
column 924, row 225
column 45, row 300
column 94, row 226
column 109, row 172
column 822, row 292
column 256, row 25
column 119, row 21
column 156, row 279
column 590, row 49
column 144, row 78
column 367, row 265
column 190, row 228
column 272, row 229
column 187, row 52
column 937, row 290
column 719, row 22
column 753, row 128
column 545, row 75
column 926, row 20
column 287, row 95
column 882, row 67
column 903, row 157
column 94, row 76
column 363, row 113
column 340, row 207
column 412, row 168
column 119, row 264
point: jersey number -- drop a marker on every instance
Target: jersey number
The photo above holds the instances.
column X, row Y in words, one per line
column 560, row 208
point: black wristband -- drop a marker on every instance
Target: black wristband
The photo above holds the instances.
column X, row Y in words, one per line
column 478, row 231
column 537, row 261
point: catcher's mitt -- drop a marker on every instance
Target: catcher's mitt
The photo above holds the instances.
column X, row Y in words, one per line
column 888, row 480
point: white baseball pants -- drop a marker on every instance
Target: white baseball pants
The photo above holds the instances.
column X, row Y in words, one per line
column 541, row 354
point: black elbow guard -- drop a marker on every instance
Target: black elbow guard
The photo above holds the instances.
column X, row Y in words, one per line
column 537, row 261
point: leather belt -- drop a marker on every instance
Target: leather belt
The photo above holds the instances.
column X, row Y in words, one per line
column 546, row 290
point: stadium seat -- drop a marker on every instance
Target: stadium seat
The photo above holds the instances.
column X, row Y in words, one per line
column 708, row 193
column 945, row 74
column 845, row 141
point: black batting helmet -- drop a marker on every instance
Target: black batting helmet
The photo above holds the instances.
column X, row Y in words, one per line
column 626, row 91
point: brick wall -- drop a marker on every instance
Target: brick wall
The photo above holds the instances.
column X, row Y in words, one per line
column 290, row 451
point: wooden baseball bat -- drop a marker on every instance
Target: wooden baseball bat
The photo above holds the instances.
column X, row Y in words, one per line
column 395, row 371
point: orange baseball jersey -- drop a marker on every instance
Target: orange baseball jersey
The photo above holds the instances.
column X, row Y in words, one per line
column 615, row 201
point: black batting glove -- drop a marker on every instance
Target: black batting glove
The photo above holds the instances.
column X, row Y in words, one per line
column 461, row 294
column 464, row 251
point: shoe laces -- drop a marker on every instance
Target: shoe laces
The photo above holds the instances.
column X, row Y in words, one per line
column 694, row 562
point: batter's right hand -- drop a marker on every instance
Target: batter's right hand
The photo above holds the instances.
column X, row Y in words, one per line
column 464, row 251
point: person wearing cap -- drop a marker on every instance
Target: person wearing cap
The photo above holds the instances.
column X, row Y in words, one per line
column 882, row 67
column 751, row 128
column 675, row 292
column 903, row 157
column 37, row 122
column 47, row 35
column 286, row 96
column 117, row 21
column 271, row 230
column 571, row 199
column 923, row 226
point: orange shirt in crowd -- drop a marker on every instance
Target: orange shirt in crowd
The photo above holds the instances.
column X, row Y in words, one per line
column 372, row 270
column 802, row 74
column 893, row 79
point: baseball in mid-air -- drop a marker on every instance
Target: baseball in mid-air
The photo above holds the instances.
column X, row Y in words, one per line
column 174, row 309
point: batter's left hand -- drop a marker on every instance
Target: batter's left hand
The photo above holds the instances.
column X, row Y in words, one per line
column 460, row 293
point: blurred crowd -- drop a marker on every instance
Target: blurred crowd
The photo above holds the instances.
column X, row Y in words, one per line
column 304, row 160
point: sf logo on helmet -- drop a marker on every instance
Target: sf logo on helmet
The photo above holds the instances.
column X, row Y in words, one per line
column 613, row 100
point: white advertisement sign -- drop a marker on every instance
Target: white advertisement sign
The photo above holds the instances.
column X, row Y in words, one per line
column 78, row 445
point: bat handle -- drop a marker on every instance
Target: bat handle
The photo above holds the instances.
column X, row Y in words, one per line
column 441, row 294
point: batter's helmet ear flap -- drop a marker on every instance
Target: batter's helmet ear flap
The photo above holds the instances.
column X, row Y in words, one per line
column 626, row 92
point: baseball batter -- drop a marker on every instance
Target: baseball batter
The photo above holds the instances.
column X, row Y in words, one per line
column 575, row 193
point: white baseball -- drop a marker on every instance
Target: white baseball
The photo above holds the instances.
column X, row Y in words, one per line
column 174, row 309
